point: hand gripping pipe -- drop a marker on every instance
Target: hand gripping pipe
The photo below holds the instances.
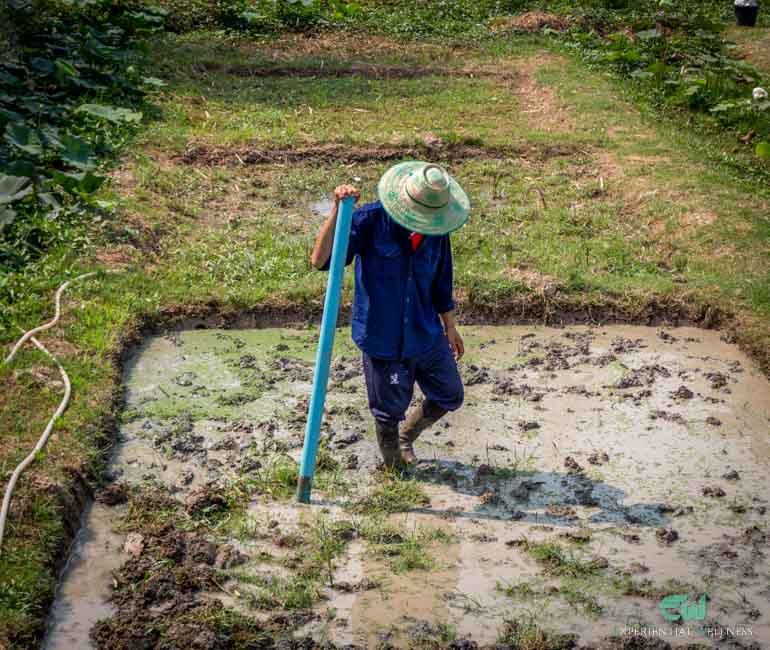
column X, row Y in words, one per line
column 325, row 347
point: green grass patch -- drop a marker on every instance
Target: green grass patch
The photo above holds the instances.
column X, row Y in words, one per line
column 391, row 493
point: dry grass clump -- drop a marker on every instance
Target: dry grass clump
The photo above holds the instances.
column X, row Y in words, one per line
column 531, row 21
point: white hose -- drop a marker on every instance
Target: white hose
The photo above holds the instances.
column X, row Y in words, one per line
column 52, row 322
column 41, row 443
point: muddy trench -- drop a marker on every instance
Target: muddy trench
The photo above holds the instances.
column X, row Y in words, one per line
column 210, row 155
column 364, row 70
column 592, row 471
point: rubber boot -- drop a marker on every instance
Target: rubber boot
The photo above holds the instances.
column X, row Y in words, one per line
column 420, row 419
column 387, row 439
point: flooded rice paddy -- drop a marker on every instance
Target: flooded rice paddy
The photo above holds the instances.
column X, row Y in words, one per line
column 591, row 473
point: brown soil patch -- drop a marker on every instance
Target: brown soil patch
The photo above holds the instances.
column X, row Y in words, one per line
column 340, row 46
column 753, row 45
column 531, row 21
column 539, row 103
column 365, row 70
column 540, row 283
column 211, row 155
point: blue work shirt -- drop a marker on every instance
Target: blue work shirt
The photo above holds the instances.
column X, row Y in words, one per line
column 399, row 293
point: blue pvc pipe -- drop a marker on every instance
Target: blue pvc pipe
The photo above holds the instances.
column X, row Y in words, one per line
column 325, row 347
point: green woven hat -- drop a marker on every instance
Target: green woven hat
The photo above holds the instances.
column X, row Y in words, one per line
column 423, row 198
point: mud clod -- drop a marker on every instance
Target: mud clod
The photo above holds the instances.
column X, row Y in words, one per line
column 573, row 467
column 714, row 491
column 732, row 475
column 528, row 426
column 113, row 495
column 227, row 557
column 666, row 536
column 598, row 458
column 683, row 393
column 204, row 500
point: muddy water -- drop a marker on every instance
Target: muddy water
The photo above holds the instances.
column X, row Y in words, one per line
column 645, row 452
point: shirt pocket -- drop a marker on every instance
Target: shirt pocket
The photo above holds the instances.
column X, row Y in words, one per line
column 389, row 260
column 387, row 249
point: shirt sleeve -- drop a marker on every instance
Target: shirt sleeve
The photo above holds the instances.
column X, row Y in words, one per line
column 360, row 229
column 441, row 289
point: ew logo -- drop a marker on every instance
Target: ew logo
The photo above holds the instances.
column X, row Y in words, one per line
column 678, row 607
column 394, row 379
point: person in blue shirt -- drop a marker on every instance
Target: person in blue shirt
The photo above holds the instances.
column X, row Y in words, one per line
column 403, row 309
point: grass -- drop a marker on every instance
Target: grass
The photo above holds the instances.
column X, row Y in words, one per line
column 559, row 561
column 753, row 45
column 391, row 494
column 525, row 634
column 629, row 212
column 401, row 548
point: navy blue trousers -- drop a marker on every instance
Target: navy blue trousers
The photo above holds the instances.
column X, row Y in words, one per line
column 390, row 384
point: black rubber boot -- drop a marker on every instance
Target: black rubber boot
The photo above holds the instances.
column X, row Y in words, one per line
column 420, row 419
column 387, row 439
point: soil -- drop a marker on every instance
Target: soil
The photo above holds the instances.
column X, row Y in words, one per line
column 532, row 21
column 597, row 468
column 210, row 155
column 365, row 70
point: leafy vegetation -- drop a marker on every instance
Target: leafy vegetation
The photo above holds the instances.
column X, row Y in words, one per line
column 69, row 89
column 677, row 56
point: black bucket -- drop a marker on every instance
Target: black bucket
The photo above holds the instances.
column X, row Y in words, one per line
column 746, row 16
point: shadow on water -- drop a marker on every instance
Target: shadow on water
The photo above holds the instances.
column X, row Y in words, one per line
column 535, row 497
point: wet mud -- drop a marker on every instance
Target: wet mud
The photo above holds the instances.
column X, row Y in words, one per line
column 591, row 473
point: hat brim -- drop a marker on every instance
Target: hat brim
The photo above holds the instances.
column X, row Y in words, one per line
column 414, row 216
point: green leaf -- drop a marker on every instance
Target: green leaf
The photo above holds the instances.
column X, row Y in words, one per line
column 763, row 150
column 24, row 138
column 77, row 152
column 648, row 34
column 7, row 217
column 64, row 71
column 50, row 136
column 112, row 114
column 154, row 81
column 13, row 188
column 79, row 183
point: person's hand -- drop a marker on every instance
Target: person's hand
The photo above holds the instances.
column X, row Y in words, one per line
column 344, row 191
column 455, row 342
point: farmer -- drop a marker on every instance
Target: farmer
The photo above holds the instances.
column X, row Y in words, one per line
column 403, row 312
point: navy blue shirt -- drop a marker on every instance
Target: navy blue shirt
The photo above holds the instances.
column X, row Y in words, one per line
column 399, row 292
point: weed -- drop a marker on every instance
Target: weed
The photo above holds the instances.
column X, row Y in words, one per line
column 577, row 596
column 527, row 635
column 391, row 494
column 277, row 478
column 558, row 561
column 404, row 550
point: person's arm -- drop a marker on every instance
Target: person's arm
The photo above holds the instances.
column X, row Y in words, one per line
column 453, row 336
column 443, row 299
column 324, row 242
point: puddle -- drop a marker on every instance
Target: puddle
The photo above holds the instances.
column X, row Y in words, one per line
column 637, row 458
column 84, row 596
column 322, row 207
